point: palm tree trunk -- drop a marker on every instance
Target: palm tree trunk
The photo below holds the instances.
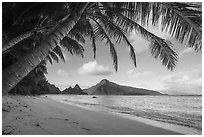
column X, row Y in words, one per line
column 16, row 72
column 16, row 40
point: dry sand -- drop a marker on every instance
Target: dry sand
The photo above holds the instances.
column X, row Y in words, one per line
column 28, row 115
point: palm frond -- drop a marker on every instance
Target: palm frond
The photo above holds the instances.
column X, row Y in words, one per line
column 114, row 56
column 58, row 51
column 182, row 21
column 164, row 50
column 49, row 59
column 132, row 10
column 80, row 30
column 92, row 38
column 83, row 29
column 54, row 56
column 101, row 33
column 72, row 46
column 77, row 36
column 130, row 25
column 185, row 23
column 117, row 33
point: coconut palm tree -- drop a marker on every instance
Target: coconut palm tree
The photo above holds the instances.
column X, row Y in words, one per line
column 105, row 21
column 26, row 46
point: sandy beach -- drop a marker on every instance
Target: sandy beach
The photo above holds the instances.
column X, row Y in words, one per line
column 32, row 115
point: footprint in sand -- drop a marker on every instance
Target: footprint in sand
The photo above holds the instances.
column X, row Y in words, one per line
column 86, row 129
column 19, row 117
column 5, row 110
column 9, row 130
column 79, row 126
column 75, row 123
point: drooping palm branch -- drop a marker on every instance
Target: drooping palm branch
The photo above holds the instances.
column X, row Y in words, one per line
column 119, row 24
column 115, row 32
column 72, row 46
column 182, row 21
column 101, row 33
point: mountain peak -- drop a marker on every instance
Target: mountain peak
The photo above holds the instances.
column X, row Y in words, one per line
column 69, row 87
column 104, row 81
column 76, row 90
column 77, row 87
column 106, row 87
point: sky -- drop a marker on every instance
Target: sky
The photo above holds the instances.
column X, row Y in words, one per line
column 149, row 73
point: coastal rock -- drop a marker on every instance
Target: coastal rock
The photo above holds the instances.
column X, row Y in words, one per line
column 106, row 87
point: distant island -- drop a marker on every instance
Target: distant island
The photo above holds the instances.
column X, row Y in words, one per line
column 106, row 87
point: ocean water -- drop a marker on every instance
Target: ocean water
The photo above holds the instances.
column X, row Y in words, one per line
column 180, row 110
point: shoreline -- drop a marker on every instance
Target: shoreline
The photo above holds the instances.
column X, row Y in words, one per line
column 164, row 125
column 31, row 115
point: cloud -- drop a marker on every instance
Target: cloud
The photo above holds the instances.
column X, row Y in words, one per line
column 130, row 72
column 93, row 68
column 133, row 74
column 145, row 79
column 189, row 82
column 62, row 72
column 185, row 51
column 177, row 83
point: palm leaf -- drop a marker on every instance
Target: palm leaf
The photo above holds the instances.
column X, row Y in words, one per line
column 72, row 46
column 161, row 49
column 49, row 59
column 117, row 33
column 101, row 33
column 182, row 21
column 185, row 23
column 114, row 56
column 54, row 56
column 92, row 38
column 76, row 32
column 128, row 24
column 58, row 51
column 82, row 29
column 77, row 36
